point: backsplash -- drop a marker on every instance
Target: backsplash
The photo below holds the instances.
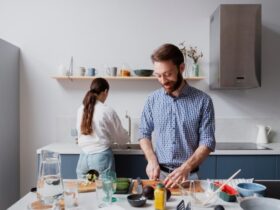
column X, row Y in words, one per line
column 227, row 129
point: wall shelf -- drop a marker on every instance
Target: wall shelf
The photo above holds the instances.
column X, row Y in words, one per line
column 115, row 78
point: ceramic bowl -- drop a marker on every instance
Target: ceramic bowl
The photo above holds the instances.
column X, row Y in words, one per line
column 258, row 203
column 250, row 189
column 143, row 72
column 228, row 193
column 136, row 200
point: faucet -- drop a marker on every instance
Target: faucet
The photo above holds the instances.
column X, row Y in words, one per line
column 129, row 126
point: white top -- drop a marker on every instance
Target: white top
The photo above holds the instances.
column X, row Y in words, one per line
column 107, row 129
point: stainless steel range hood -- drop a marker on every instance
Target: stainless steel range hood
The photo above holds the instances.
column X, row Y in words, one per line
column 235, row 47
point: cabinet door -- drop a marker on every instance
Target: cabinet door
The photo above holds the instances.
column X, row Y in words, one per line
column 252, row 166
column 278, row 168
column 208, row 168
column 68, row 166
column 131, row 166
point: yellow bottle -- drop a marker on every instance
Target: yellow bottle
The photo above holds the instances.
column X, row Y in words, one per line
column 160, row 197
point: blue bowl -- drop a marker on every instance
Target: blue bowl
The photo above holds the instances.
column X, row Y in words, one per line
column 249, row 189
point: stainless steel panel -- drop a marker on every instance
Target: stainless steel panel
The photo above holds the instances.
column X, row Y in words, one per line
column 235, row 47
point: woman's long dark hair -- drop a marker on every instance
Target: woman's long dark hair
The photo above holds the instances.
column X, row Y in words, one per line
column 97, row 86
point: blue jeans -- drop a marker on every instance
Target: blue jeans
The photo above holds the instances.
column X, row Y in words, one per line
column 101, row 162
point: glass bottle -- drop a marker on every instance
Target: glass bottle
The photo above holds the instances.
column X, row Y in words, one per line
column 160, row 197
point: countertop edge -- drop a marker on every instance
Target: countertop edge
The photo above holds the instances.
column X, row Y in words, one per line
column 69, row 148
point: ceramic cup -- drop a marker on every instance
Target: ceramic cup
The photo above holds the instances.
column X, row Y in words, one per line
column 112, row 71
column 82, row 71
column 124, row 73
column 91, row 72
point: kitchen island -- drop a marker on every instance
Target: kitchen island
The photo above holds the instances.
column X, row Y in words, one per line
column 258, row 164
column 87, row 201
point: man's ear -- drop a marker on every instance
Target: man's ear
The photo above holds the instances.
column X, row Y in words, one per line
column 182, row 67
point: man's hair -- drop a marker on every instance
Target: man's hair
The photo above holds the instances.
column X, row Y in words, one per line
column 168, row 52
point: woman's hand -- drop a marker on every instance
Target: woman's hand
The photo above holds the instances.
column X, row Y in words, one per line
column 153, row 170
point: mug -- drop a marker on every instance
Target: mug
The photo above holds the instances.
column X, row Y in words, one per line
column 124, row 73
column 112, row 71
column 82, row 71
column 91, row 72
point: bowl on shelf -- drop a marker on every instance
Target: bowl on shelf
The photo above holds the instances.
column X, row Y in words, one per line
column 250, row 189
column 136, row 200
column 143, row 72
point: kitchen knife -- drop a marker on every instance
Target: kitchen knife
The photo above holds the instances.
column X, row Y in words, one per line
column 139, row 188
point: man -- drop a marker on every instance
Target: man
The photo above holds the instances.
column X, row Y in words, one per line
column 182, row 119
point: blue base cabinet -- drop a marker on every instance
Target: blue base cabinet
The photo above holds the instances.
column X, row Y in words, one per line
column 69, row 165
column 214, row 167
column 207, row 169
column 131, row 166
column 252, row 166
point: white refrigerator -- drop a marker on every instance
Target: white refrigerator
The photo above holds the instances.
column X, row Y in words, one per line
column 9, row 124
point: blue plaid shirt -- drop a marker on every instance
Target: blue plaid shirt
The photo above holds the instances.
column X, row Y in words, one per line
column 180, row 124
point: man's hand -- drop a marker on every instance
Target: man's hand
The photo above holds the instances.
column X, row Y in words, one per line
column 177, row 176
column 153, row 170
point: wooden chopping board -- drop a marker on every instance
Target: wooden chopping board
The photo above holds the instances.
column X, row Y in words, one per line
column 174, row 191
column 86, row 187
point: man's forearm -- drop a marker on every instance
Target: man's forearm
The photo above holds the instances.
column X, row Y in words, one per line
column 147, row 147
column 200, row 154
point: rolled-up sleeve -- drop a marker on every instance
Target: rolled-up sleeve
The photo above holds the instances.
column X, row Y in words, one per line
column 207, row 125
column 146, row 125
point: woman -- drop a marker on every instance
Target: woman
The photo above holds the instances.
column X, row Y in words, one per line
column 98, row 127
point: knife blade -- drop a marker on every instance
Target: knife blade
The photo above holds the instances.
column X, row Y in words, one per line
column 139, row 188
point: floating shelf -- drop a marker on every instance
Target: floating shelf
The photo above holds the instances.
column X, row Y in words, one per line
column 115, row 78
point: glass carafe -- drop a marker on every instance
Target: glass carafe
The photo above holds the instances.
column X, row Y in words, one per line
column 49, row 184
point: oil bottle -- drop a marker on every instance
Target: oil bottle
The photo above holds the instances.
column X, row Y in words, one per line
column 160, row 197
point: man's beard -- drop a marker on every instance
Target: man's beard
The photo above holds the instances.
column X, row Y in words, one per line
column 174, row 85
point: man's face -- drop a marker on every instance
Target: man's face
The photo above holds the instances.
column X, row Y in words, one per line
column 168, row 75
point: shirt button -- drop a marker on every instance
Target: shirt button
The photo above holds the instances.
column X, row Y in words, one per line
column 173, row 142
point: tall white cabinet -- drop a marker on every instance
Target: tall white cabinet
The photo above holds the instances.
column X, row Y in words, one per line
column 9, row 124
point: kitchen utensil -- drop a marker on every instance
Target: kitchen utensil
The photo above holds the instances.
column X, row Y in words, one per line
column 258, row 203
column 263, row 132
column 251, row 189
column 143, row 72
column 181, row 206
column 139, row 188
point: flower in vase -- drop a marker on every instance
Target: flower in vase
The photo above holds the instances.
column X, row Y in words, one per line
column 192, row 53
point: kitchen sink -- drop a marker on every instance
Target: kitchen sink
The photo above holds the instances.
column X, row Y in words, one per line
column 239, row 146
column 126, row 146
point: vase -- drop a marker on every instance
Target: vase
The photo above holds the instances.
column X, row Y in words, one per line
column 195, row 70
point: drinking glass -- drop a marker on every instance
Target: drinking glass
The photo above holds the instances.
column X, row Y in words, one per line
column 70, row 194
column 104, row 191
column 112, row 176
column 49, row 184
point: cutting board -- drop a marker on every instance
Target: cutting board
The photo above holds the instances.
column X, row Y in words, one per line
column 174, row 191
column 86, row 187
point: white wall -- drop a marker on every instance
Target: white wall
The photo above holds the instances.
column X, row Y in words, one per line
column 123, row 31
